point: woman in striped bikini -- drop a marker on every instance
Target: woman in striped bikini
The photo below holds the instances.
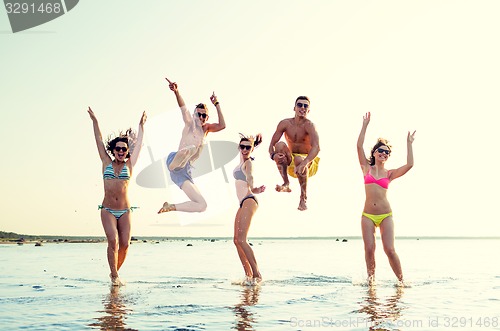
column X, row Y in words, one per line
column 115, row 208
column 377, row 211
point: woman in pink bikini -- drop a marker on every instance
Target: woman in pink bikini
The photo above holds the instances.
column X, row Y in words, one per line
column 377, row 211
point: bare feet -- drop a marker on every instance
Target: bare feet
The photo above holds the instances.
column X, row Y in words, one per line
column 302, row 204
column 251, row 281
column 283, row 188
column 115, row 280
column 166, row 208
column 256, row 280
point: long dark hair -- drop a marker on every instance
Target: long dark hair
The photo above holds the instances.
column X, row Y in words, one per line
column 127, row 137
column 255, row 141
column 380, row 142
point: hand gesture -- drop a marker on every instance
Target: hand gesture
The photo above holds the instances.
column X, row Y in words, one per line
column 143, row 119
column 92, row 115
column 411, row 137
column 279, row 158
column 262, row 188
column 213, row 98
column 301, row 168
column 366, row 119
column 172, row 86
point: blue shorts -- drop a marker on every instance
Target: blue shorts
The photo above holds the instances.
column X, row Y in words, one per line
column 180, row 175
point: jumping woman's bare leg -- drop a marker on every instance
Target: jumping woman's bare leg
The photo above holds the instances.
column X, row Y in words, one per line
column 124, row 228
column 368, row 232
column 387, row 235
column 236, row 239
column 242, row 225
column 109, row 224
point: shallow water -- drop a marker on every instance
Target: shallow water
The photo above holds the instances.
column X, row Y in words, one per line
column 308, row 285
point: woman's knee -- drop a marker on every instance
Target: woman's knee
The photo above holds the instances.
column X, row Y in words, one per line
column 113, row 244
column 390, row 251
column 370, row 249
column 124, row 244
column 238, row 242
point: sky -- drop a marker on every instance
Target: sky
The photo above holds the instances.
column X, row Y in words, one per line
column 429, row 66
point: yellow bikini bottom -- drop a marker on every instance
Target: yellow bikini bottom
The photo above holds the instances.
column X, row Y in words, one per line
column 377, row 219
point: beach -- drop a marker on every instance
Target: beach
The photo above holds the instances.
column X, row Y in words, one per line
column 195, row 284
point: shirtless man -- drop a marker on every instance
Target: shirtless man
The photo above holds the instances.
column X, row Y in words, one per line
column 195, row 130
column 298, row 157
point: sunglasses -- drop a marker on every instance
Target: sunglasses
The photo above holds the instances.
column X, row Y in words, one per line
column 247, row 147
column 202, row 115
column 381, row 150
column 123, row 149
column 300, row 105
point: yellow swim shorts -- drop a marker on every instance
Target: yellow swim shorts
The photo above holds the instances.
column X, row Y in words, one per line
column 313, row 167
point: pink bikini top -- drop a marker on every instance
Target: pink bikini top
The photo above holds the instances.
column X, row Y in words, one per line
column 382, row 182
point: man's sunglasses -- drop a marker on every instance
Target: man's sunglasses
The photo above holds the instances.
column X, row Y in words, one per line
column 202, row 115
column 381, row 150
column 247, row 147
column 123, row 149
column 300, row 105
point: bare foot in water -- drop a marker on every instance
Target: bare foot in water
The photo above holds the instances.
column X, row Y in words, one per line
column 302, row 204
column 116, row 281
column 283, row 188
column 256, row 280
column 166, row 208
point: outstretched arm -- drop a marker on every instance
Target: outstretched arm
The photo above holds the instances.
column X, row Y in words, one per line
column 221, row 125
column 247, row 170
column 138, row 145
column 409, row 158
column 105, row 158
column 184, row 111
column 363, row 162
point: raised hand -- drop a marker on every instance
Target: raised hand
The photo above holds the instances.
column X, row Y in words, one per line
column 172, row 85
column 366, row 119
column 143, row 119
column 91, row 114
column 411, row 137
column 213, row 98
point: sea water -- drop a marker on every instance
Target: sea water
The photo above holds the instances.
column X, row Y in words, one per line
column 308, row 284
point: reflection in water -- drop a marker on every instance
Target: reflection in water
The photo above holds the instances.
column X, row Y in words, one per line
column 114, row 312
column 382, row 311
column 245, row 319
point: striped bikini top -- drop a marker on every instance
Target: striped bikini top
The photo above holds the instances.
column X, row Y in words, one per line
column 109, row 172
